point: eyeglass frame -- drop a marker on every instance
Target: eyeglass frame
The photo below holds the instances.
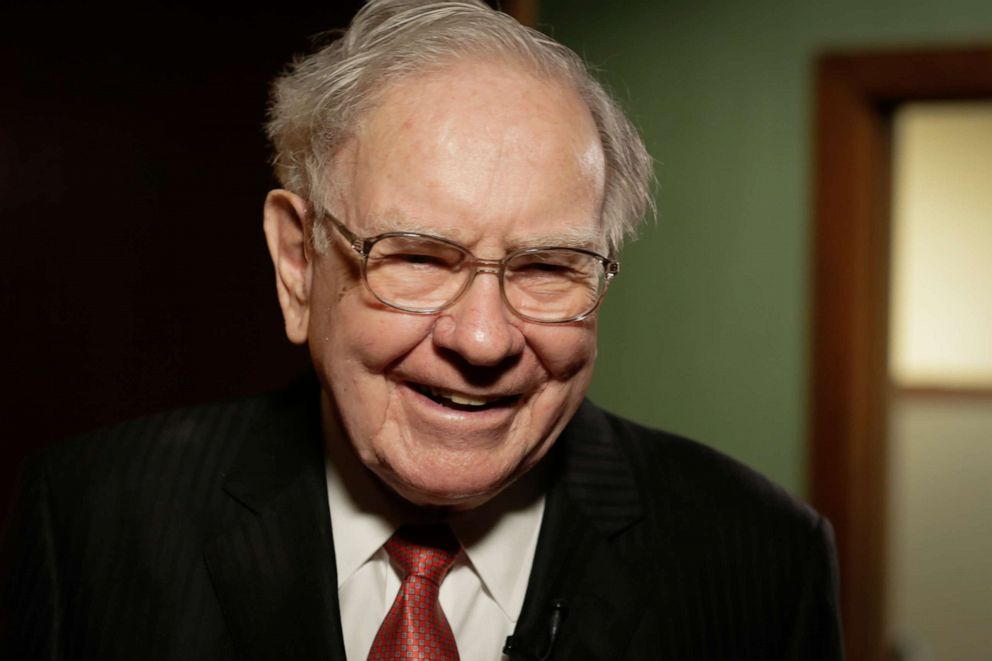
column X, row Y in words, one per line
column 363, row 246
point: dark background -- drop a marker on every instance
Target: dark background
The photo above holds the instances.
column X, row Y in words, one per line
column 133, row 166
column 134, row 275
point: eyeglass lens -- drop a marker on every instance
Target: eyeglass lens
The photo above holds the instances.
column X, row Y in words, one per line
column 420, row 274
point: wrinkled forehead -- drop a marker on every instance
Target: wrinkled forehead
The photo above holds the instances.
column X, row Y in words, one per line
column 476, row 136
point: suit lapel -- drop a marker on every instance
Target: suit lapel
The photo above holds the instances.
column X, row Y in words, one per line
column 587, row 558
column 273, row 572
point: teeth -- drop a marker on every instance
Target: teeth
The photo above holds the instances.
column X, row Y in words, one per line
column 462, row 400
column 465, row 401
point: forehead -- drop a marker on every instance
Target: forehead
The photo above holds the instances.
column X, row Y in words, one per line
column 476, row 149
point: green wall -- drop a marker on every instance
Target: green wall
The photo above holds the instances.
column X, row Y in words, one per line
column 705, row 332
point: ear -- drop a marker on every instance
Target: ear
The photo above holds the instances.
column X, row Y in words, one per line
column 284, row 222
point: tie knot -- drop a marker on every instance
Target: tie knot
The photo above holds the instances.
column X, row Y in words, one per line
column 427, row 551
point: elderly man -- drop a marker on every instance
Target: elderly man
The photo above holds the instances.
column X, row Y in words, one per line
column 456, row 189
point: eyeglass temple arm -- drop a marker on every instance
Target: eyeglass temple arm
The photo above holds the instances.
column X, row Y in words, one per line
column 355, row 241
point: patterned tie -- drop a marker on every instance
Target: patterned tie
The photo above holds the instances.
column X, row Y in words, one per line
column 415, row 627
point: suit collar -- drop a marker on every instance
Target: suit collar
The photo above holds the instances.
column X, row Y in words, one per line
column 273, row 571
column 595, row 474
column 580, row 565
column 279, row 447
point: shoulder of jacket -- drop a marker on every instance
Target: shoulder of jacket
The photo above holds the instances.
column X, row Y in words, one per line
column 160, row 444
column 694, row 475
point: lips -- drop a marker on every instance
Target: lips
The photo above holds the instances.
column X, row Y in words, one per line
column 463, row 401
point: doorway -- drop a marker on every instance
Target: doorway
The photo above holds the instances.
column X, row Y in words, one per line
column 858, row 95
column 939, row 552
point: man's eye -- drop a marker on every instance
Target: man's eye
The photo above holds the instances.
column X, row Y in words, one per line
column 544, row 269
column 417, row 259
column 544, row 266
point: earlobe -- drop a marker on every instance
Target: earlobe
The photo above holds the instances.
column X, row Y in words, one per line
column 284, row 221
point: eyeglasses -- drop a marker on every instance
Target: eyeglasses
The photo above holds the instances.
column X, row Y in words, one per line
column 425, row 274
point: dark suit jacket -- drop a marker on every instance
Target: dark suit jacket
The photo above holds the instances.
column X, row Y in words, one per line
column 205, row 534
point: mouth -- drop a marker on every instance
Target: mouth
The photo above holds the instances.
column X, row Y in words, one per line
column 461, row 401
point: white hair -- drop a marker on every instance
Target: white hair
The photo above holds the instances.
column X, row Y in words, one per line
column 317, row 104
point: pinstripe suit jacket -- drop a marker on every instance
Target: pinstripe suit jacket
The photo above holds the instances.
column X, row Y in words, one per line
column 205, row 534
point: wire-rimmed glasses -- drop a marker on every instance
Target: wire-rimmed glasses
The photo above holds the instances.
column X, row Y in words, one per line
column 425, row 274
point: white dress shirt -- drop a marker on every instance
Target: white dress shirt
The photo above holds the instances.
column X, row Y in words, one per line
column 482, row 594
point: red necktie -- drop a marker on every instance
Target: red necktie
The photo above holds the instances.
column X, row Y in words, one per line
column 415, row 627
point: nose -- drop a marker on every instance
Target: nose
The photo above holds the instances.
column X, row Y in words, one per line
column 479, row 327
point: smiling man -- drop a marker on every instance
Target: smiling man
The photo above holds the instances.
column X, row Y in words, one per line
column 456, row 188
column 474, row 161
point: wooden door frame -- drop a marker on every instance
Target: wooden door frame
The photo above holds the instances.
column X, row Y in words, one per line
column 525, row 11
column 856, row 94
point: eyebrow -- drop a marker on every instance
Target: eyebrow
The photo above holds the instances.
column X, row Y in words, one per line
column 571, row 238
column 398, row 223
column 588, row 239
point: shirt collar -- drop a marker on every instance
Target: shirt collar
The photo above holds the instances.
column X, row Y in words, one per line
column 363, row 517
column 500, row 538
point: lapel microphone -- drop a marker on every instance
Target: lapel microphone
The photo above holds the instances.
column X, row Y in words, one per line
column 559, row 608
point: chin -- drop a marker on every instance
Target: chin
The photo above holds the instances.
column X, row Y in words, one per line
column 447, row 488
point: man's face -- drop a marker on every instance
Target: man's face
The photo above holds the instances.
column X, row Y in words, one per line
column 494, row 159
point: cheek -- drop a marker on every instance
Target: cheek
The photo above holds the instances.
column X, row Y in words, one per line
column 352, row 333
column 358, row 345
column 566, row 353
column 379, row 338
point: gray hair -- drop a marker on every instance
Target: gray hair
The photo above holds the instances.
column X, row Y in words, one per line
column 317, row 104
